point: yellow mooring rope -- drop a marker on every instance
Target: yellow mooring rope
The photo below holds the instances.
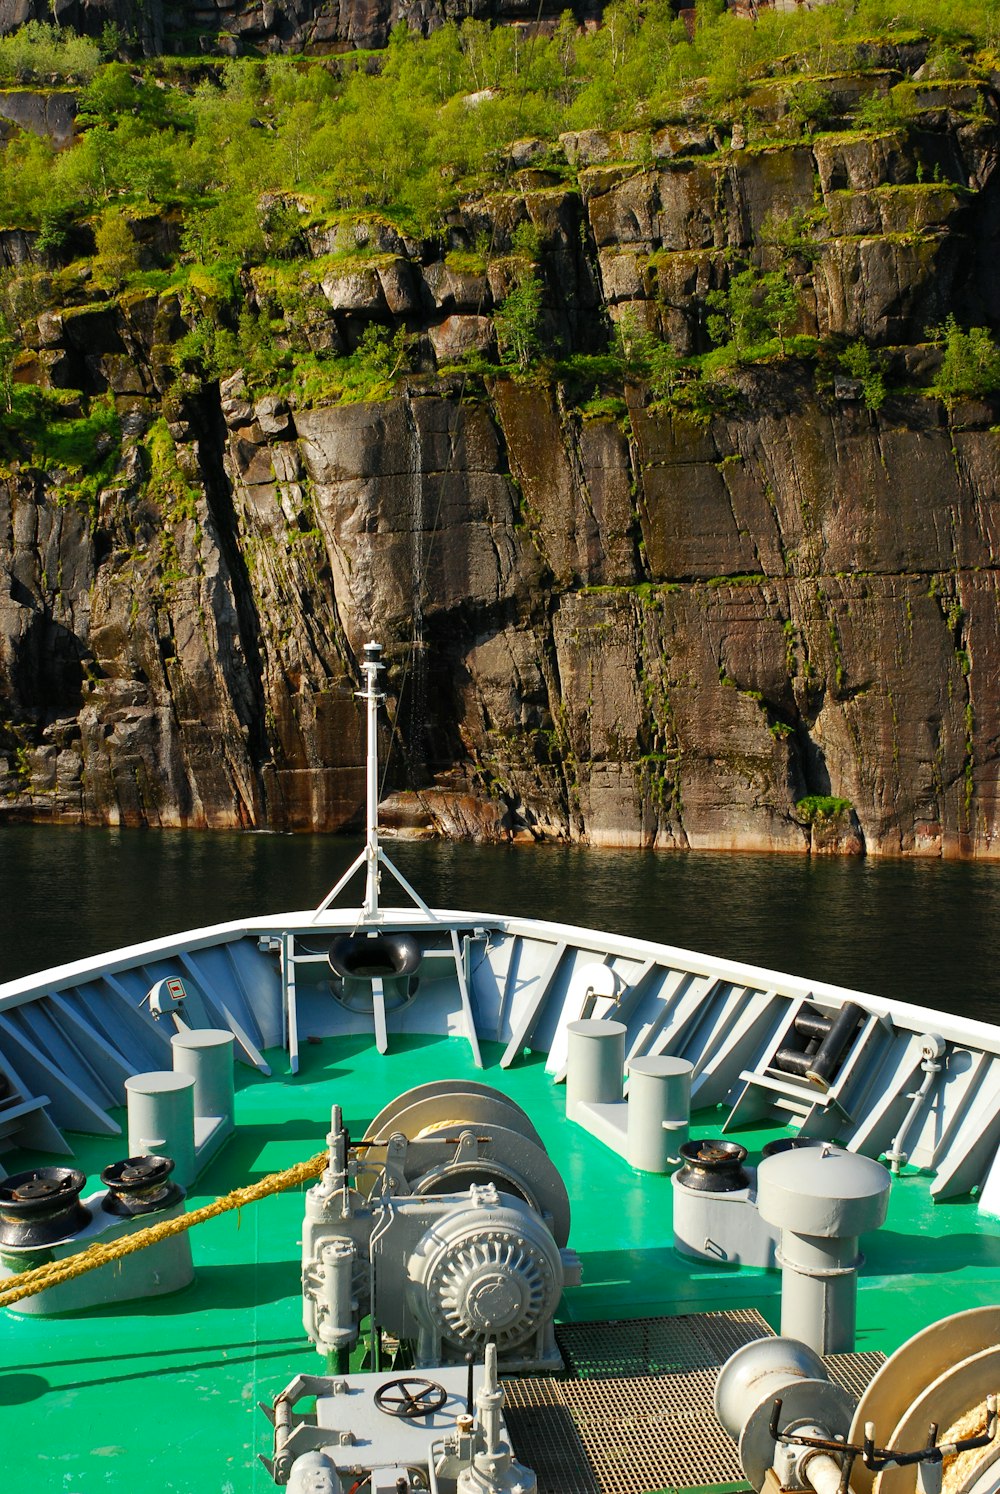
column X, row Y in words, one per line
column 28, row 1283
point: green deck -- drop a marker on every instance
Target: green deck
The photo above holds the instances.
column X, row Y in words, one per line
column 163, row 1396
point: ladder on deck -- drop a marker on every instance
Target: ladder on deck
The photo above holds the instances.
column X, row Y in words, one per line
column 770, row 1092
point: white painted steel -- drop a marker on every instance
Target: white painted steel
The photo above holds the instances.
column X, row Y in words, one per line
column 79, row 1108
column 721, row 1014
column 378, row 1015
column 463, row 987
column 723, row 1228
column 989, row 1193
column 964, row 1031
column 592, row 992
column 221, row 1011
column 160, row 1268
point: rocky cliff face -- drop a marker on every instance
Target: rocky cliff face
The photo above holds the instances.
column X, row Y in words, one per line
column 238, row 27
column 775, row 628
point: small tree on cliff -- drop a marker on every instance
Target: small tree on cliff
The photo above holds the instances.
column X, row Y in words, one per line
column 868, row 368
column 971, row 365
column 8, row 352
column 754, row 310
column 117, row 254
column 517, row 321
column 518, row 317
column 645, row 356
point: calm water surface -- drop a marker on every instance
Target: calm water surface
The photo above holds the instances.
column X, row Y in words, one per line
column 923, row 931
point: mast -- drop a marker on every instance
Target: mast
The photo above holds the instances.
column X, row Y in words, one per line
column 372, row 858
column 371, row 668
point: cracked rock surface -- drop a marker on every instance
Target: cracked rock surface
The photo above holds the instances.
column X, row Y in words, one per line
column 623, row 627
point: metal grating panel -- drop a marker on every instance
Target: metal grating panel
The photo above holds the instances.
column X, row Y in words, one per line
column 631, row 1435
column 656, row 1346
column 602, row 1432
column 854, row 1371
column 545, row 1436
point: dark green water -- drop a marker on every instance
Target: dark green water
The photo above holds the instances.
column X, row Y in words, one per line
column 923, row 931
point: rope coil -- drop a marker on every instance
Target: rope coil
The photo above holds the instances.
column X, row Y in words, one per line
column 54, row 1273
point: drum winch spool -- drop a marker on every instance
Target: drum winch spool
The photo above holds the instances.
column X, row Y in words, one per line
column 446, row 1224
column 943, row 1375
column 504, row 1149
column 927, row 1423
column 769, row 1370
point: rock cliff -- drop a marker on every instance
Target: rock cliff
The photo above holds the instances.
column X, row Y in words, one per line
column 774, row 626
column 237, row 27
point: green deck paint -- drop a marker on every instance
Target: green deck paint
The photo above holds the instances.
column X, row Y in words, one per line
column 162, row 1396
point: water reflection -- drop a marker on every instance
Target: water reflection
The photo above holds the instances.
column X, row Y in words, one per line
column 922, row 931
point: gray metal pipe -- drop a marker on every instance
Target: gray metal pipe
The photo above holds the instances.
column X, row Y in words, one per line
column 822, row 1199
column 819, row 1290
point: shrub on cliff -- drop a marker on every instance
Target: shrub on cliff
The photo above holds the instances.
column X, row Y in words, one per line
column 752, row 313
column 970, row 368
column 379, row 358
column 812, row 107
column 867, row 367
column 689, row 387
column 41, row 53
column 518, row 320
column 117, row 254
column 114, row 93
column 369, row 373
column 645, row 356
column 76, row 441
column 822, row 807
column 8, row 352
column 890, row 111
column 166, row 482
column 27, row 170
